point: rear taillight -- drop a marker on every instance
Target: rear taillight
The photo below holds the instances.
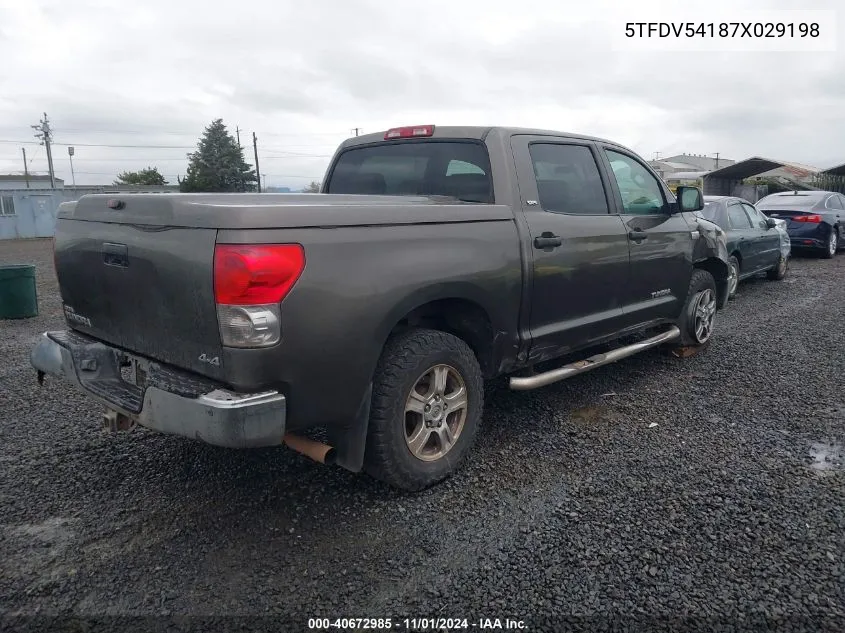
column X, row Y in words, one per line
column 812, row 219
column 250, row 281
column 410, row 131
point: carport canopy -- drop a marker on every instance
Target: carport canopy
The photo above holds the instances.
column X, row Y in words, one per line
column 720, row 182
column 839, row 170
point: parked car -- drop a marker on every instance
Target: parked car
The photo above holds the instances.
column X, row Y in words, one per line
column 433, row 258
column 815, row 220
column 755, row 243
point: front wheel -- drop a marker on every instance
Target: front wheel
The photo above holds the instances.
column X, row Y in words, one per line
column 733, row 276
column 779, row 271
column 428, row 395
column 699, row 314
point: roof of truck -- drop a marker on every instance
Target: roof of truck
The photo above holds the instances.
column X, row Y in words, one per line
column 474, row 132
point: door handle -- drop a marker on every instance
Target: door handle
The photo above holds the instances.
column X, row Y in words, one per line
column 637, row 235
column 547, row 240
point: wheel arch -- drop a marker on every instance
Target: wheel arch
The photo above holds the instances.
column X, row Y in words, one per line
column 455, row 313
column 719, row 269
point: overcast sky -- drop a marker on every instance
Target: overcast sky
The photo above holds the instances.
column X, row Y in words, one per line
column 302, row 74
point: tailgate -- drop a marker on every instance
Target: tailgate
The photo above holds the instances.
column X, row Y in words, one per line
column 147, row 288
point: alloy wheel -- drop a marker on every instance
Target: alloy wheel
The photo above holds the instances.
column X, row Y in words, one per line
column 435, row 413
column 705, row 314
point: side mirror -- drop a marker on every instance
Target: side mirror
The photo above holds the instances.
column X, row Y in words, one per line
column 689, row 199
column 771, row 223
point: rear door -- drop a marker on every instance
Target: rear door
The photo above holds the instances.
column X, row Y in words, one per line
column 579, row 248
column 767, row 240
column 660, row 241
column 746, row 238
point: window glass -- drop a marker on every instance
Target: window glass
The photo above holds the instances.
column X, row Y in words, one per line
column 420, row 168
column 462, row 167
column 7, row 205
column 568, row 179
column 640, row 190
column 737, row 217
column 712, row 211
column 757, row 218
column 835, row 203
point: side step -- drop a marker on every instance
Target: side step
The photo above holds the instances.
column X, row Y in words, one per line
column 525, row 383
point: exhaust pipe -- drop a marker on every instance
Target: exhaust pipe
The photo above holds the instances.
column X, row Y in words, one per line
column 319, row 452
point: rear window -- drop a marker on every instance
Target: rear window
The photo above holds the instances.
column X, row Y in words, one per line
column 458, row 169
column 790, row 200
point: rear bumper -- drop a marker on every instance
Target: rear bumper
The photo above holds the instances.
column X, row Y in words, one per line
column 169, row 401
column 812, row 236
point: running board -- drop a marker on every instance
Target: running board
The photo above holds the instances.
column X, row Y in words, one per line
column 525, row 383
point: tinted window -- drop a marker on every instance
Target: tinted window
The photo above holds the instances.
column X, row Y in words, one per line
column 790, row 200
column 641, row 192
column 834, row 203
column 757, row 218
column 424, row 168
column 568, row 179
column 712, row 212
column 737, row 217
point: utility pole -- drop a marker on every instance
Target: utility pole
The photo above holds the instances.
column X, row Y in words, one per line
column 656, row 155
column 238, row 134
column 25, row 168
column 257, row 171
column 70, row 155
column 356, row 130
column 717, row 160
column 46, row 136
column 265, row 181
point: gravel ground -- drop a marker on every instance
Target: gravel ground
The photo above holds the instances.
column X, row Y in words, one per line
column 730, row 512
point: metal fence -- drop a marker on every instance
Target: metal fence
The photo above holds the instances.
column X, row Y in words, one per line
column 829, row 182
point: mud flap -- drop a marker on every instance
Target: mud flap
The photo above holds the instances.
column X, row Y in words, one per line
column 350, row 440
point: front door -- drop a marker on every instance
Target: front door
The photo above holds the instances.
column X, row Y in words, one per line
column 746, row 238
column 661, row 240
column 579, row 249
column 767, row 240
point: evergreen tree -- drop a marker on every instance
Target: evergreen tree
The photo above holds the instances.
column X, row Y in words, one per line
column 218, row 164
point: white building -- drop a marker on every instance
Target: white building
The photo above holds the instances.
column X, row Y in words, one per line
column 20, row 181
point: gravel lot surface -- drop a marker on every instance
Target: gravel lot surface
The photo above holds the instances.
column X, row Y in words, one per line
column 573, row 504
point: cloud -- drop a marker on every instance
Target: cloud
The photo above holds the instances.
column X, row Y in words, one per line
column 302, row 75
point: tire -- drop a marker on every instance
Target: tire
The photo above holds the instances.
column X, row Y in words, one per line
column 832, row 244
column 779, row 271
column 396, row 453
column 700, row 296
column 733, row 276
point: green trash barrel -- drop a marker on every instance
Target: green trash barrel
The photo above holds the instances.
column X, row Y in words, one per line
column 18, row 298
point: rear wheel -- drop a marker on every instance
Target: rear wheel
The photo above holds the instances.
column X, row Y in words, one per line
column 427, row 405
column 779, row 271
column 832, row 244
column 733, row 276
column 699, row 314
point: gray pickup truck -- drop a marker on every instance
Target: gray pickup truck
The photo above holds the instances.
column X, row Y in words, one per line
column 358, row 325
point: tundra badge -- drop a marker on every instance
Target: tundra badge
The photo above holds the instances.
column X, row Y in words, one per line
column 73, row 317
